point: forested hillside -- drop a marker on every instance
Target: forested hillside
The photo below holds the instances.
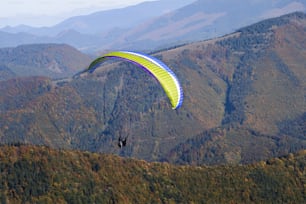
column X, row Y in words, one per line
column 263, row 66
column 244, row 102
column 49, row 60
column 32, row 174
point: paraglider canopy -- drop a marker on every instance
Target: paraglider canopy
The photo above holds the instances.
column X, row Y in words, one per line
column 164, row 75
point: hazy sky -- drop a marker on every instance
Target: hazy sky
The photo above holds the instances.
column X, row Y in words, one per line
column 50, row 12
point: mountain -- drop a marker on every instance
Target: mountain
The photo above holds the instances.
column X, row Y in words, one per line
column 264, row 94
column 119, row 18
column 103, row 21
column 32, row 174
column 203, row 19
column 244, row 101
column 152, row 25
column 50, row 60
column 91, row 29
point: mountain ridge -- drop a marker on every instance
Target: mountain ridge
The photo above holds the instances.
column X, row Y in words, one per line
column 87, row 24
column 243, row 102
column 50, row 60
column 199, row 20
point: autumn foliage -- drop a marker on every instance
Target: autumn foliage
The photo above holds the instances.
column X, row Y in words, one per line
column 38, row 174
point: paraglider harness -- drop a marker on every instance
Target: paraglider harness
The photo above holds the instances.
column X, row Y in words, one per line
column 122, row 142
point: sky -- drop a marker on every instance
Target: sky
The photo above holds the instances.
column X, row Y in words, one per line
column 50, row 12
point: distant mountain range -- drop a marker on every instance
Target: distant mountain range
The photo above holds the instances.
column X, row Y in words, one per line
column 104, row 21
column 151, row 25
column 244, row 100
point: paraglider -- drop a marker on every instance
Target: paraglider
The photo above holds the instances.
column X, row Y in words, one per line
column 122, row 142
column 164, row 75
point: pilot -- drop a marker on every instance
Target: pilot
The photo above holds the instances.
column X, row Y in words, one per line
column 122, row 142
